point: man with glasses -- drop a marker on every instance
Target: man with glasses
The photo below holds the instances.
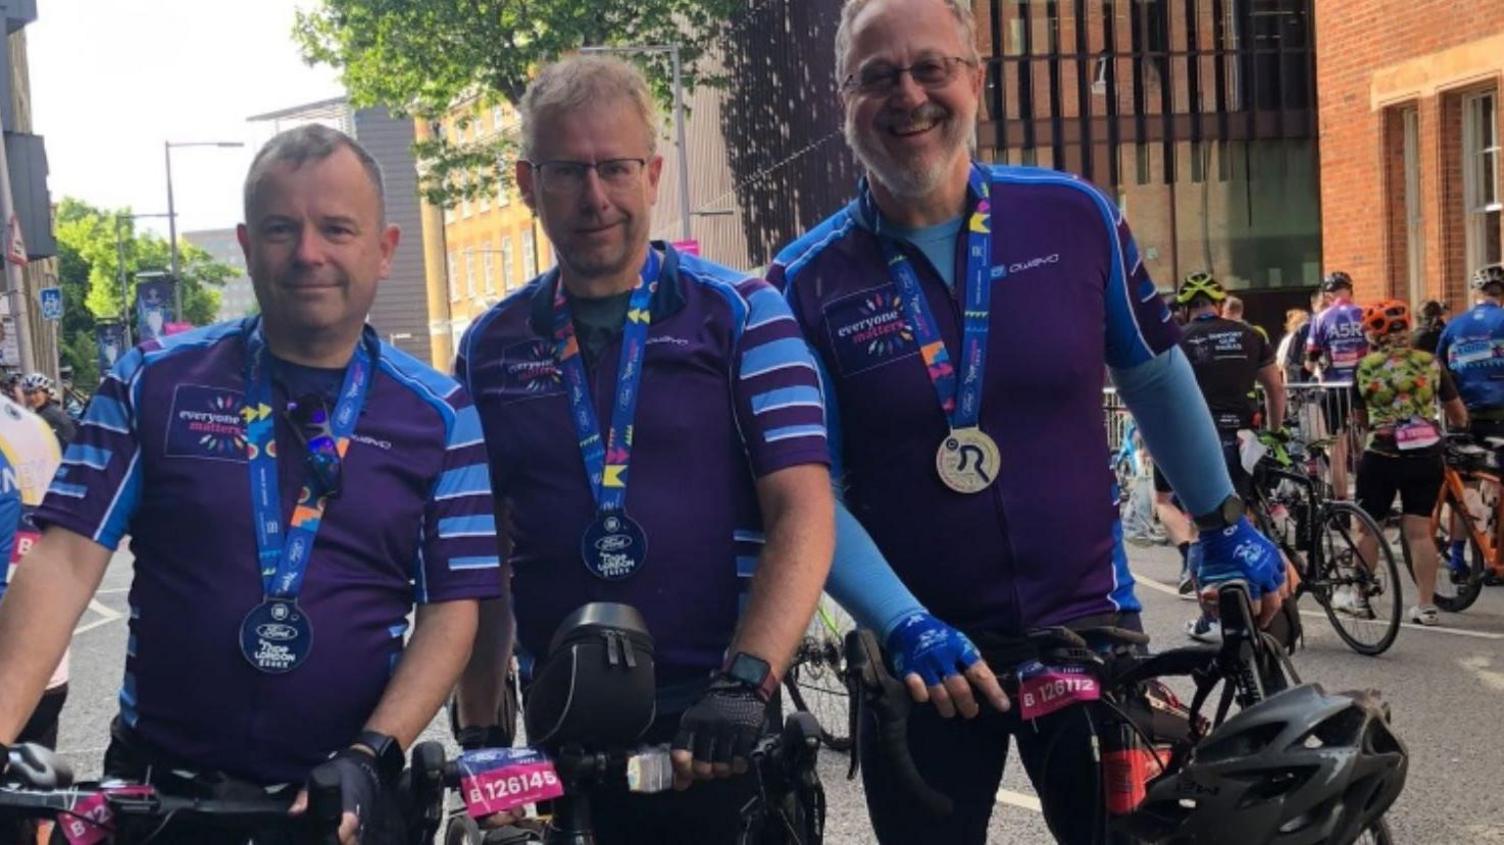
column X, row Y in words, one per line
column 656, row 438
column 292, row 486
column 963, row 314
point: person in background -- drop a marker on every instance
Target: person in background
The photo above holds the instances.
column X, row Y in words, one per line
column 1232, row 309
column 40, row 393
column 1296, row 319
column 1427, row 335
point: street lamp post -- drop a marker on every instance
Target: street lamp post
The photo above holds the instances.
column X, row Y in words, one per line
column 125, row 317
column 172, row 218
column 673, row 49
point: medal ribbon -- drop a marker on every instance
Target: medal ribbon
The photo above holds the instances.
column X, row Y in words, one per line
column 607, row 461
column 962, row 406
column 283, row 554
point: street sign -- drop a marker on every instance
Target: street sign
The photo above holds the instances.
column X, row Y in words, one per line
column 52, row 303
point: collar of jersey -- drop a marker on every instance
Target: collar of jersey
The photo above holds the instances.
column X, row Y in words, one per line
column 667, row 300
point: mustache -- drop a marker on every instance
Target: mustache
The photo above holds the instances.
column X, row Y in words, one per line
column 297, row 276
column 928, row 112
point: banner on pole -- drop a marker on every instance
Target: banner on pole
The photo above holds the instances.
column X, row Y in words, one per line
column 154, row 309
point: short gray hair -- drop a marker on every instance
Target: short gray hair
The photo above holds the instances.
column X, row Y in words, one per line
column 581, row 81
column 959, row 9
column 310, row 142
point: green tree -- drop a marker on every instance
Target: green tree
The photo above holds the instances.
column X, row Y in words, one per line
column 419, row 58
column 88, row 273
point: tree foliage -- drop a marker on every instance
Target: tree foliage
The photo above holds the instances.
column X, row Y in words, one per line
column 420, row 57
column 88, row 273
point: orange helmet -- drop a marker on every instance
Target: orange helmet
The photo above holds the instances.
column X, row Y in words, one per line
column 1385, row 317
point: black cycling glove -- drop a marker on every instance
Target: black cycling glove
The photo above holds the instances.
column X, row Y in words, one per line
column 724, row 724
column 359, row 784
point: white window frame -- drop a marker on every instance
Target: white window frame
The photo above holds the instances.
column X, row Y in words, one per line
column 488, row 264
column 529, row 259
column 508, row 269
column 1480, row 140
column 1415, row 238
column 470, row 273
column 450, row 278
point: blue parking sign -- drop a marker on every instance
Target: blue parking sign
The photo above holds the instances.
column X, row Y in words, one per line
column 52, row 303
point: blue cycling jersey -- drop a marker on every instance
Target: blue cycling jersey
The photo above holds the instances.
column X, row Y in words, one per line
column 1472, row 347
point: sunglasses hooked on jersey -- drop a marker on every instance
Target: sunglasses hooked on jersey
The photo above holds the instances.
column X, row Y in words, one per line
column 309, row 416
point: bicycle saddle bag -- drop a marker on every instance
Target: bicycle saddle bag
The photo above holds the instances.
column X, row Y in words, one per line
column 595, row 687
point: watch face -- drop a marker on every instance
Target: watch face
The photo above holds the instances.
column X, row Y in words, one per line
column 749, row 669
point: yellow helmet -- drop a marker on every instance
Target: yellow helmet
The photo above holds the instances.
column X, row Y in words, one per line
column 1199, row 284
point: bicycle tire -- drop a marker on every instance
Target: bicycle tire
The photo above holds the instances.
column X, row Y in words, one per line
column 816, row 680
column 1467, row 590
column 1376, row 834
column 1374, row 584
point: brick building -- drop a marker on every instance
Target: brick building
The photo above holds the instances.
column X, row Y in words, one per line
column 1409, row 100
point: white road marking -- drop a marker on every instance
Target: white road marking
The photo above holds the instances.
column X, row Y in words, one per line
column 112, row 590
column 1317, row 614
column 1018, row 799
column 106, row 616
column 1491, row 678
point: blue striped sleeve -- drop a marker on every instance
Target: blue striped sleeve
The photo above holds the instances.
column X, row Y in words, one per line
column 459, row 555
column 779, row 405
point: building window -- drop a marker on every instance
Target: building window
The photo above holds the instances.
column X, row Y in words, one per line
column 484, row 201
column 496, row 119
column 1480, row 181
column 529, row 256
column 451, row 278
column 490, row 270
column 470, row 273
column 1414, row 236
column 508, row 270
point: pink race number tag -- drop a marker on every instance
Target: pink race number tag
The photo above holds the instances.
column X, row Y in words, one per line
column 496, row 780
column 90, row 821
column 1044, row 689
column 1416, row 434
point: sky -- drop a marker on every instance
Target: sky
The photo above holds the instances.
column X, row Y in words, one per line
column 111, row 80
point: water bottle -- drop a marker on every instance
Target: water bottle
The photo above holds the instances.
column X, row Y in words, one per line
column 1475, row 507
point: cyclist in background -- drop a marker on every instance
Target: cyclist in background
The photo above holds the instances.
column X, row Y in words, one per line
column 1427, row 336
column 1471, row 347
column 1228, row 357
column 41, row 396
column 1337, row 344
column 1398, row 388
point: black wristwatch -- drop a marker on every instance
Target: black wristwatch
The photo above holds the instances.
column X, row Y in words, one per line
column 388, row 753
column 1227, row 514
column 752, row 672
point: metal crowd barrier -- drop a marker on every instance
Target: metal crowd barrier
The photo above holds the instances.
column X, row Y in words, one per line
column 1314, row 411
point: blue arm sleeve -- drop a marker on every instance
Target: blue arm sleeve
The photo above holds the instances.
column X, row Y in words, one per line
column 860, row 578
column 1173, row 418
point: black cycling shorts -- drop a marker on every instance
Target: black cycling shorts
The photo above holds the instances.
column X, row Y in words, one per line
column 1242, row 482
column 1417, row 480
column 1485, row 428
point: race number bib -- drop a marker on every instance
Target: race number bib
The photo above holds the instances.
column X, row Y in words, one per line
column 1042, row 689
column 1416, row 434
column 495, row 780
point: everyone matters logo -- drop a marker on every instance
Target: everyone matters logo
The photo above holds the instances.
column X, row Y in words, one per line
column 206, row 422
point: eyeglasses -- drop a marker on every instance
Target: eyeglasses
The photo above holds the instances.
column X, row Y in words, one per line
column 568, row 177
column 881, row 78
column 309, row 416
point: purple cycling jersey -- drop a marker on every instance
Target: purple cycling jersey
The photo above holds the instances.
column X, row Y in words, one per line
column 1337, row 335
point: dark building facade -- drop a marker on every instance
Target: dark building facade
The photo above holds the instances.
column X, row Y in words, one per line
column 1198, row 116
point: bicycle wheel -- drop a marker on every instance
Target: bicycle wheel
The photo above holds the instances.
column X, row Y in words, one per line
column 1456, row 589
column 816, row 681
column 1363, row 604
column 1375, row 834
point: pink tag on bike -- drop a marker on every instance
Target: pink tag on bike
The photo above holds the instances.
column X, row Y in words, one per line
column 1416, row 434
column 1044, row 689
column 90, row 821
column 496, row 780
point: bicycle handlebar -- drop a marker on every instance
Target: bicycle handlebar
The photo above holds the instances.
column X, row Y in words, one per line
column 1245, row 659
column 25, row 794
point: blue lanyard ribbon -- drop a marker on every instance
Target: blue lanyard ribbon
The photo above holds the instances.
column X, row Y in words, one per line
column 284, row 555
column 962, row 404
column 607, row 460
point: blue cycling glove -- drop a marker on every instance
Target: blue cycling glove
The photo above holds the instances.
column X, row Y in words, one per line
column 1240, row 553
column 925, row 646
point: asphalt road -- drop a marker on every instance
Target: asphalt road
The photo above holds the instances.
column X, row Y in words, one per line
column 1446, row 687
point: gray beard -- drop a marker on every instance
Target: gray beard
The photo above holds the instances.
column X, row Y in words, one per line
column 898, row 178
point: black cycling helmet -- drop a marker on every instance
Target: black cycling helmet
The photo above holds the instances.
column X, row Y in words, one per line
column 596, row 685
column 1493, row 274
column 1335, row 280
column 1299, row 767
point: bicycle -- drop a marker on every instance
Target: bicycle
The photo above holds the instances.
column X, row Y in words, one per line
column 1482, row 532
column 1164, row 735
column 814, row 680
column 789, row 808
column 1294, row 508
column 38, row 786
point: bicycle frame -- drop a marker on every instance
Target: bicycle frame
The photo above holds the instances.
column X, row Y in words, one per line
column 1453, row 489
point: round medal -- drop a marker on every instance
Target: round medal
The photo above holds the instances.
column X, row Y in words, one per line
column 968, row 460
column 613, row 546
column 275, row 636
